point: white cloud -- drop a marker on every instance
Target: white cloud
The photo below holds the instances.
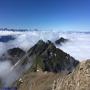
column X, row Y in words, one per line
column 78, row 47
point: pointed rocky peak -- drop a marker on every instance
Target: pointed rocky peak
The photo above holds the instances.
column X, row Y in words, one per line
column 52, row 59
column 61, row 40
column 38, row 48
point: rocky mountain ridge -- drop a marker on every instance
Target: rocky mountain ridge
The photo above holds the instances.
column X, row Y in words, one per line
column 49, row 58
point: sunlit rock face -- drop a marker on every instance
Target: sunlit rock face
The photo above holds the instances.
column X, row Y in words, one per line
column 79, row 79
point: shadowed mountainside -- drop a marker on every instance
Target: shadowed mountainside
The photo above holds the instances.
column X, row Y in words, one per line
column 13, row 55
column 49, row 58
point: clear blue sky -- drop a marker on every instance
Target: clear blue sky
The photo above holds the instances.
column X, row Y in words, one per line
column 46, row 14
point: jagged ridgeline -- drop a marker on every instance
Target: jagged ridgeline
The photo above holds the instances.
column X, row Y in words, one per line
column 45, row 56
column 49, row 58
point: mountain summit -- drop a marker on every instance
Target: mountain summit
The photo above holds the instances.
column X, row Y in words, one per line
column 49, row 58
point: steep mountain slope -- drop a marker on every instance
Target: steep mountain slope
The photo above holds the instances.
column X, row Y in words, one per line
column 49, row 58
column 79, row 79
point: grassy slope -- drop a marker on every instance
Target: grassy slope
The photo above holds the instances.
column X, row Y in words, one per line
column 38, row 81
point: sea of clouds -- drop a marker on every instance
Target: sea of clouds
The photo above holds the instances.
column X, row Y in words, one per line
column 78, row 46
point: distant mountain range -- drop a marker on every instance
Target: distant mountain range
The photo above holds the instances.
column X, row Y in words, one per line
column 6, row 29
column 23, row 30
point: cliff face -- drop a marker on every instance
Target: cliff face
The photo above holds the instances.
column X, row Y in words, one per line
column 79, row 79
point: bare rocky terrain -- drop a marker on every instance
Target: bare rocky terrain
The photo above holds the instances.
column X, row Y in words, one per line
column 79, row 79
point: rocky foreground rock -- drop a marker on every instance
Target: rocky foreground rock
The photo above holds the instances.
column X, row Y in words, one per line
column 79, row 79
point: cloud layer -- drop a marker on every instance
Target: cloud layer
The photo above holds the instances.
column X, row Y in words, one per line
column 78, row 46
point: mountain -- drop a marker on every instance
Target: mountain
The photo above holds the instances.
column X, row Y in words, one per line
column 49, row 63
column 79, row 79
column 61, row 40
column 42, row 57
column 49, row 58
column 13, row 55
column 14, row 30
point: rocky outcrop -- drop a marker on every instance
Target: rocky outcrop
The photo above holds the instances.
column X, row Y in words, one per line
column 61, row 40
column 79, row 79
column 16, row 52
column 13, row 55
column 49, row 58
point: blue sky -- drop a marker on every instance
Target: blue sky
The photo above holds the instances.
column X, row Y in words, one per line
column 72, row 15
